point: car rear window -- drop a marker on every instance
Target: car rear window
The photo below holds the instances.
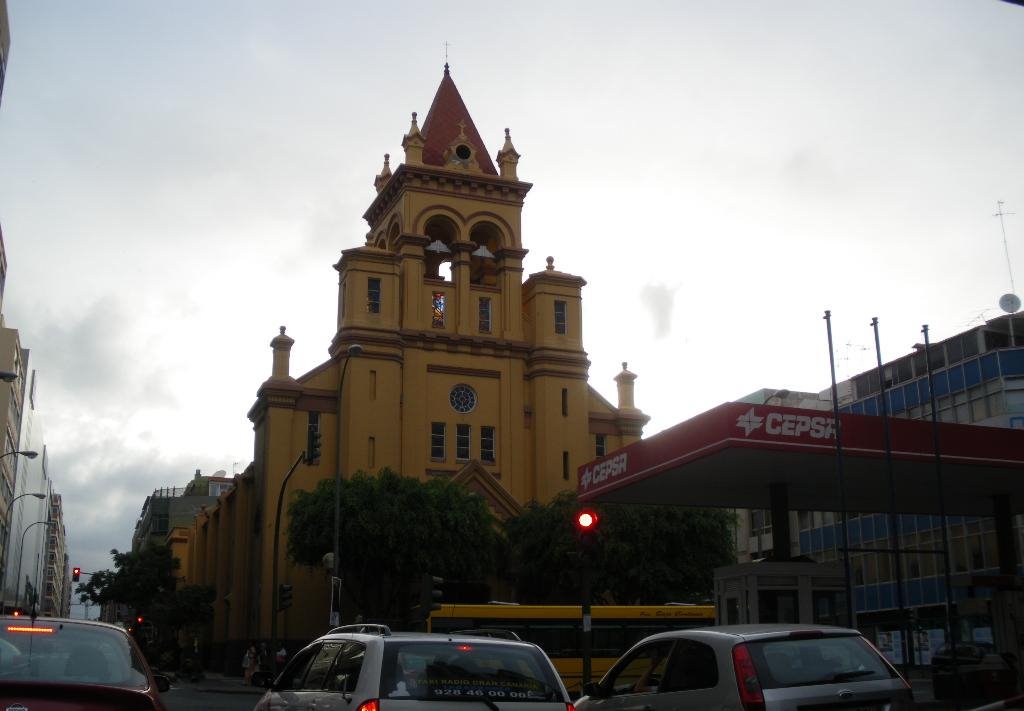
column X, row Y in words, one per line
column 802, row 661
column 60, row 651
column 451, row 669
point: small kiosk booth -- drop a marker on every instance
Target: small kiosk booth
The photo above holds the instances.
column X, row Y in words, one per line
column 796, row 591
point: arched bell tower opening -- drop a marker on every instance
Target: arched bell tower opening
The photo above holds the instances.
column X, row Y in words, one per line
column 393, row 233
column 442, row 233
column 483, row 266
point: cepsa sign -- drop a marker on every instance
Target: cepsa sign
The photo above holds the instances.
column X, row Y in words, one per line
column 786, row 424
column 602, row 471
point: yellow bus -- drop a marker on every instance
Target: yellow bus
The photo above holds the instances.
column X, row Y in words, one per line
column 556, row 629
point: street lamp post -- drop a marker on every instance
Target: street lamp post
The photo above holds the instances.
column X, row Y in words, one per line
column 7, row 543
column 30, row 453
column 353, row 350
column 17, row 594
column 274, row 594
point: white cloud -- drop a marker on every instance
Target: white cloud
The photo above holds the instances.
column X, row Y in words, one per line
column 177, row 181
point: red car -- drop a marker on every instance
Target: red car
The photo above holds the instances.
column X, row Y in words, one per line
column 54, row 664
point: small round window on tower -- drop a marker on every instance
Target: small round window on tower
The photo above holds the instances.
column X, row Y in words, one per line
column 463, row 151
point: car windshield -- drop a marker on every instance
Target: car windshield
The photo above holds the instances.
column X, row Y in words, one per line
column 801, row 661
column 67, row 652
column 461, row 670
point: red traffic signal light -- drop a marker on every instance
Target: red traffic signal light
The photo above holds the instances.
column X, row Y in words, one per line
column 139, row 619
column 586, row 520
column 76, row 574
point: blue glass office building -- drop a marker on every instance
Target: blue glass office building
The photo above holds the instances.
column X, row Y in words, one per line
column 978, row 379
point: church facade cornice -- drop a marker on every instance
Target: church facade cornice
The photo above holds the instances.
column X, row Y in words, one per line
column 429, row 179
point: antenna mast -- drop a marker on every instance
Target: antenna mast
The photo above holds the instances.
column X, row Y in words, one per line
column 1010, row 303
column 999, row 213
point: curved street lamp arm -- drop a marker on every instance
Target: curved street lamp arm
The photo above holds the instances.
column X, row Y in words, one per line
column 17, row 578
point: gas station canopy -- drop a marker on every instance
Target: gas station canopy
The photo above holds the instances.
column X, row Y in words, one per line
column 732, row 455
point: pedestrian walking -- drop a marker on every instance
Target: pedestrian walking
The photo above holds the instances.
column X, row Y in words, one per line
column 249, row 663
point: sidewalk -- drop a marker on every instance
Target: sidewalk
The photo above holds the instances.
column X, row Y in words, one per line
column 216, row 683
column 924, row 697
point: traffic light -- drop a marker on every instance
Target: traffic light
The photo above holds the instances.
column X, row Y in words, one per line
column 76, row 574
column 284, row 596
column 312, row 443
column 586, row 528
column 430, row 595
column 140, row 619
column 586, row 522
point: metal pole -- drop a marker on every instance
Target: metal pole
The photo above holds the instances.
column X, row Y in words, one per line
column 842, row 477
column 894, row 535
column 952, row 625
column 586, row 626
column 17, row 594
column 7, row 543
column 273, row 591
column 353, row 350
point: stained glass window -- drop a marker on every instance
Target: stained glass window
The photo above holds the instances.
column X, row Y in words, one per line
column 438, row 304
column 462, row 398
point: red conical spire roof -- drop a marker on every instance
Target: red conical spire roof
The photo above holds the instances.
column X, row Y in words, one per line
column 448, row 116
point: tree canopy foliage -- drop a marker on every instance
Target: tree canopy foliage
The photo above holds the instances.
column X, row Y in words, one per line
column 145, row 581
column 640, row 554
column 137, row 579
column 394, row 529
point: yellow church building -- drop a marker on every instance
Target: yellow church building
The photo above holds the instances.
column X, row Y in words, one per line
column 445, row 363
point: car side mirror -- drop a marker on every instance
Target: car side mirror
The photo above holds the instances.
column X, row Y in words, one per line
column 162, row 683
column 593, row 688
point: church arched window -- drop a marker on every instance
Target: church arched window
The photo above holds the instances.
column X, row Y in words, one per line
column 483, row 264
column 442, row 233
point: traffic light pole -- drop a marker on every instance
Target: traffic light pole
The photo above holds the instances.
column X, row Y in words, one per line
column 585, row 642
column 586, row 528
column 430, row 597
column 273, row 588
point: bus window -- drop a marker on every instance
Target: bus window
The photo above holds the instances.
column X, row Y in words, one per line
column 557, row 639
column 609, row 640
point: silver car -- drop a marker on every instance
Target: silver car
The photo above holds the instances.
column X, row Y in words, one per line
column 373, row 669
column 746, row 667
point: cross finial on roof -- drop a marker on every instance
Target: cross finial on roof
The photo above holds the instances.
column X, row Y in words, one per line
column 447, row 44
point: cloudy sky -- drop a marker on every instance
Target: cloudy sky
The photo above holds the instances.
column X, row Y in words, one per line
column 177, row 179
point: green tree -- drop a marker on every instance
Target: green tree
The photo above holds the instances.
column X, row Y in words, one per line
column 658, row 554
column 641, row 554
column 145, row 581
column 394, row 529
column 137, row 579
column 545, row 562
column 188, row 608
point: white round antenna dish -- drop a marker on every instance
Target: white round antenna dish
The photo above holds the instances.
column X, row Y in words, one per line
column 1010, row 303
